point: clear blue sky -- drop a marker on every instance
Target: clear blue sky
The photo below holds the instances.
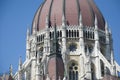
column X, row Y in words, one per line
column 17, row 15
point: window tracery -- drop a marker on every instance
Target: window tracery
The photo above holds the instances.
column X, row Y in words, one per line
column 73, row 71
column 72, row 47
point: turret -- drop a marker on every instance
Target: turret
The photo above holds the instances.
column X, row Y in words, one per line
column 10, row 74
column 11, row 70
column 81, row 40
column 37, row 67
column 20, row 69
column 55, row 63
column 63, row 20
column 47, row 22
column 34, row 29
column 108, row 56
column 111, row 48
column 81, row 43
column 27, row 44
column 97, row 49
column 20, row 64
column 80, row 20
column 97, row 46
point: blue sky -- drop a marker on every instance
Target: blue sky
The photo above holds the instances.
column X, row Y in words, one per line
column 17, row 15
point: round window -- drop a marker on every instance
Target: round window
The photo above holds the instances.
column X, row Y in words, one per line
column 72, row 47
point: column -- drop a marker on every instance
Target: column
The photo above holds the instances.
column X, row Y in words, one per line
column 97, row 50
column 33, row 67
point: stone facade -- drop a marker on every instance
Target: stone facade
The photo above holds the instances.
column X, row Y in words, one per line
column 86, row 50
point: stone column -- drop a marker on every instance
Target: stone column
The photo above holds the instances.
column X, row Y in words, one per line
column 97, row 50
column 33, row 68
column 64, row 49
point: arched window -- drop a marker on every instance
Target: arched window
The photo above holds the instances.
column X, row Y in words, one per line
column 73, row 70
column 89, row 48
column 93, row 72
column 72, row 33
column 60, row 34
column 69, row 33
column 107, row 71
column 66, row 33
column 93, row 35
column 102, row 68
column 41, row 38
column 37, row 38
column 86, row 34
column 77, row 33
column 50, row 35
column 90, row 35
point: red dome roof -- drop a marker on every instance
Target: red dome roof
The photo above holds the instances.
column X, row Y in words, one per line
column 56, row 68
column 71, row 9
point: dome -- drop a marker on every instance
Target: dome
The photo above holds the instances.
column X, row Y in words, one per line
column 71, row 9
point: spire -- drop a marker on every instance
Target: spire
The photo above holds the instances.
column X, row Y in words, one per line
column 106, row 28
column 47, row 22
column 80, row 20
column 63, row 20
column 27, row 43
column 34, row 28
column 55, row 57
column 38, row 57
column 96, row 22
column 11, row 70
column 20, row 63
column 55, row 43
column 28, row 33
column 97, row 46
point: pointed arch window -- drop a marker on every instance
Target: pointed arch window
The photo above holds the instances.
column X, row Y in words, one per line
column 73, row 71
column 93, row 71
column 102, row 68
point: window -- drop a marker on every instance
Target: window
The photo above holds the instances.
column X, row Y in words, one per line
column 93, row 71
column 102, row 68
column 72, row 47
column 89, row 48
column 73, row 71
column 107, row 71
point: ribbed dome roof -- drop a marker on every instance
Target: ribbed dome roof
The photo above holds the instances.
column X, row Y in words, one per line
column 71, row 9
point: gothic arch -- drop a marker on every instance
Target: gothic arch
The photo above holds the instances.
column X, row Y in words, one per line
column 93, row 72
column 107, row 71
column 102, row 68
column 73, row 70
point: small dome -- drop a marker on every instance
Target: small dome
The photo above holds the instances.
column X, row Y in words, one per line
column 71, row 9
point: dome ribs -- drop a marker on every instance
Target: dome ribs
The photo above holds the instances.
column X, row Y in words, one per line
column 44, row 13
column 56, row 12
column 36, row 18
column 86, row 13
column 101, row 21
column 71, row 12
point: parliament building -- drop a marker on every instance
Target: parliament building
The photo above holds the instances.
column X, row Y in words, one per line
column 68, row 40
